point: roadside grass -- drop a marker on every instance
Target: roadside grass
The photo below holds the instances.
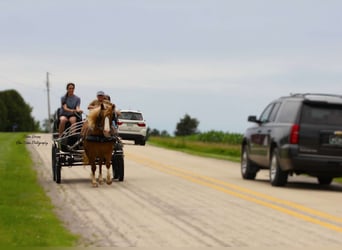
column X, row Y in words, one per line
column 26, row 213
column 190, row 145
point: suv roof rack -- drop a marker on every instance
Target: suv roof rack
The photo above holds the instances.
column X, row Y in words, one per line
column 313, row 94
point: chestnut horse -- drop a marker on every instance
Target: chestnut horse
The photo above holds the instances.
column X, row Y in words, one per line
column 98, row 142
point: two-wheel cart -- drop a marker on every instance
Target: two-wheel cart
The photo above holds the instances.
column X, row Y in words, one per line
column 67, row 151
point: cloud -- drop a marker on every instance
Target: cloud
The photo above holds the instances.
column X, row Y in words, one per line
column 167, row 58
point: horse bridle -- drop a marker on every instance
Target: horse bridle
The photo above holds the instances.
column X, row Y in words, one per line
column 99, row 119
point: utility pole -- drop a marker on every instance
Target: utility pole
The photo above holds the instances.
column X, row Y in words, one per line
column 48, row 99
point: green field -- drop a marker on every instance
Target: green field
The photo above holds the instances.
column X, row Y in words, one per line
column 207, row 149
column 27, row 218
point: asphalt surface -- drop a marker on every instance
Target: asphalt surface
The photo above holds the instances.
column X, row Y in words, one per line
column 172, row 199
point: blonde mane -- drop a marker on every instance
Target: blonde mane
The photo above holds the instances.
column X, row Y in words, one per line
column 94, row 113
column 92, row 116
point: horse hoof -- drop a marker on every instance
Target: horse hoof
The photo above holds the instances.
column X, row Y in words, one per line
column 109, row 182
column 95, row 185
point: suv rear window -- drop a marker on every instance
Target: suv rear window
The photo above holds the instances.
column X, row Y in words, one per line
column 131, row 116
column 328, row 115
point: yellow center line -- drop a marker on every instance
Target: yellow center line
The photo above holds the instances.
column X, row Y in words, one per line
column 244, row 194
column 261, row 195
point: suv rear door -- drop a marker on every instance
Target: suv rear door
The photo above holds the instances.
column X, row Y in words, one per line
column 321, row 129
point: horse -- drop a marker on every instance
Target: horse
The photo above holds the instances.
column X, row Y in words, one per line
column 97, row 140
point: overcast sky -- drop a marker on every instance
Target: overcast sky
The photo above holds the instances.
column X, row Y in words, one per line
column 216, row 60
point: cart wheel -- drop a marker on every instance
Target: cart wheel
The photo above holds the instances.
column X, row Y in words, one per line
column 53, row 161
column 121, row 168
column 114, row 167
column 118, row 167
column 58, row 172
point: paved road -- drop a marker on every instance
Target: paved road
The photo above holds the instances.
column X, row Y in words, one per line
column 171, row 199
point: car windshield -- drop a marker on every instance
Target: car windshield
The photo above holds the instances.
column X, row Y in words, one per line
column 131, row 116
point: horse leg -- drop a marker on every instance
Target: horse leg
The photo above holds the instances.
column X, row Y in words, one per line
column 100, row 173
column 109, row 177
column 93, row 178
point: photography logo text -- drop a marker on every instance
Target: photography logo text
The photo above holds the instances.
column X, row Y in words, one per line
column 33, row 140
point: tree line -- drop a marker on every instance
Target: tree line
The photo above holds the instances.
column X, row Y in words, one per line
column 188, row 127
column 15, row 113
column 15, row 116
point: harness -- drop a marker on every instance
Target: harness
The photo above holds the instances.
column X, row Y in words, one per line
column 99, row 138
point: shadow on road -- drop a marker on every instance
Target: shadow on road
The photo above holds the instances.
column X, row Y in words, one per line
column 306, row 185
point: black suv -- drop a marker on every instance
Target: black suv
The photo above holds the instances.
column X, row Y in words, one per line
column 296, row 134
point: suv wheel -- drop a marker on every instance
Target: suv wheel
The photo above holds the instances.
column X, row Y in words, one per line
column 324, row 180
column 248, row 169
column 278, row 177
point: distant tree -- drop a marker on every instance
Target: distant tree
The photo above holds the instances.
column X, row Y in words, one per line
column 16, row 114
column 154, row 132
column 187, row 126
column 46, row 125
column 164, row 133
column 3, row 115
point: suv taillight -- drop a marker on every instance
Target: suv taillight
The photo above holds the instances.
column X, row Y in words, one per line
column 294, row 136
column 141, row 124
column 120, row 123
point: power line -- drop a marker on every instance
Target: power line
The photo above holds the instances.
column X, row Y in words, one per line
column 48, row 99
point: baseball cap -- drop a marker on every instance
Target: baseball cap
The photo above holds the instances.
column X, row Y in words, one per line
column 100, row 93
